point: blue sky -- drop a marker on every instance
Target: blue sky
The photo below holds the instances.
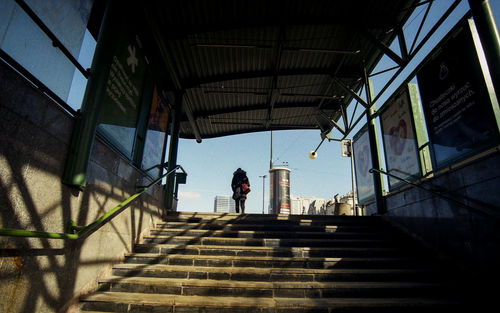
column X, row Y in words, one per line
column 210, row 165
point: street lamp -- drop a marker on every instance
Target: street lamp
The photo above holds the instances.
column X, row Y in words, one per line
column 263, row 191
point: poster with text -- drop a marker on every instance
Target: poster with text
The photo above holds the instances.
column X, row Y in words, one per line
column 123, row 92
column 362, row 165
column 400, row 144
column 455, row 99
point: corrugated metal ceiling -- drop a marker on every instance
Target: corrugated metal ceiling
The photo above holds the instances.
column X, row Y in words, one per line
column 247, row 66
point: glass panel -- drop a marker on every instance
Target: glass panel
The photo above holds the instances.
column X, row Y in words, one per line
column 67, row 20
column 79, row 82
column 25, row 42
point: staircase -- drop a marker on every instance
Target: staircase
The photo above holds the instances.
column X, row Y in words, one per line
column 210, row 262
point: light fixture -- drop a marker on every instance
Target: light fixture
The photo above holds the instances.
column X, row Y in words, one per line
column 313, row 155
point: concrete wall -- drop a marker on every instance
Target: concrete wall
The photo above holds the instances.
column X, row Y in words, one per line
column 470, row 237
column 46, row 275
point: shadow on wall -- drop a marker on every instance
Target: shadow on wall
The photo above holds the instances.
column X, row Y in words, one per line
column 44, row 275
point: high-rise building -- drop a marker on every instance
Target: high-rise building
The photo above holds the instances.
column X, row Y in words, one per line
column 224, row 204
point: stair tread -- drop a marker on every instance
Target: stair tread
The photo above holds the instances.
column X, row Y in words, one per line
column 215, row 223
column 165, row 267
column 270, row 234
column 266, row 239
column 211, row 301
column 268, row 258
column 153, row 281
column 245, row 231
column 274, row 217
column 224, row 247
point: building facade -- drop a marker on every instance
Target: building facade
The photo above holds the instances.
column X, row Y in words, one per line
column 224, row 204
column 302, row 205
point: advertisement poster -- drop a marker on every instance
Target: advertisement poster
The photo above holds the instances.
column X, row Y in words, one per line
column 156, row 132
column 400, row 144
column 362, row 164
column 455, row 98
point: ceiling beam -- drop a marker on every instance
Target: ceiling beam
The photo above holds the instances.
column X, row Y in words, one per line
column 260, row 107
column 347, row 73
column 385, row 49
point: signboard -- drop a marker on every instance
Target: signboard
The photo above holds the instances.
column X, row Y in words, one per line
column 398, row 133
column 124, row 84
column 362, row 164
column 122, row 97
column 457, row 106
column 346, row 148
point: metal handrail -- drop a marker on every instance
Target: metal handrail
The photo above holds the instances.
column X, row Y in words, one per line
column 74, row 231
column 439, row 194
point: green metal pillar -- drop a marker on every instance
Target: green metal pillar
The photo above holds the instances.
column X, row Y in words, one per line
column 374, row 148
column 490, row 38
column 82, row 139
column 172, row 153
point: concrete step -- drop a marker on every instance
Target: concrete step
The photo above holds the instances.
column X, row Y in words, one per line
column 194, row 249
column 273, row 274
column 226, row 225
column 280, row 219
column 195, row 287
column 274, row 262
column 145, row 302
column 270, row 242
column 268, row 234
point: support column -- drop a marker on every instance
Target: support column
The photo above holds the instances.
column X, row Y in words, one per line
column 490, row 38
column 172, row 153
column 372, row 135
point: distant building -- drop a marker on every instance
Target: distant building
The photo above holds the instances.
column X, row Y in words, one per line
column 224, row 204
column 307, row 205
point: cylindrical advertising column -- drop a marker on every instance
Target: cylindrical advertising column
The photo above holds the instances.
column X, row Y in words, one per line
column 279, row 190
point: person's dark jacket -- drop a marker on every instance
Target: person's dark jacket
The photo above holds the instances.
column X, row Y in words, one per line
column 239, row 178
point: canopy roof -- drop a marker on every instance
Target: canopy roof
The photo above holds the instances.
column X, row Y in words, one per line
column 249, row 66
